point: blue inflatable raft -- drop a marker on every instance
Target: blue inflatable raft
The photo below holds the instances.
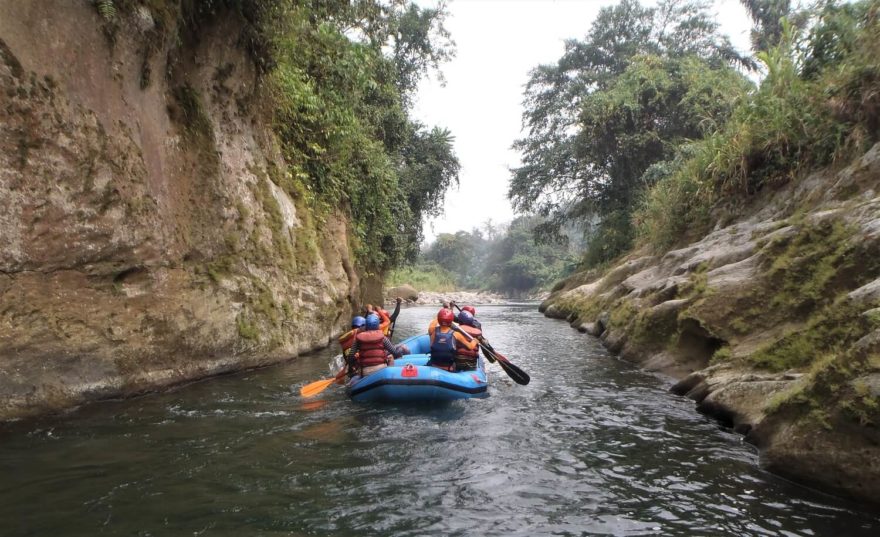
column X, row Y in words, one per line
column 409, row 379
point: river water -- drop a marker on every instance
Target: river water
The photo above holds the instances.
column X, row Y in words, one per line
column 592, row 446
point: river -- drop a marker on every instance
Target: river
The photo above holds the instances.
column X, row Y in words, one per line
column 593, row 446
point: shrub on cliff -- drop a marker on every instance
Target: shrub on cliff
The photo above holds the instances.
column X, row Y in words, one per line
column 819, row 103
column 341, row 88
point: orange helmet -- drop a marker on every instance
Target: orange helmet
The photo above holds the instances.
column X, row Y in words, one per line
column 445, row 317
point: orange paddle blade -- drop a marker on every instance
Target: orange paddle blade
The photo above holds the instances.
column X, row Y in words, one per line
column 314, row 388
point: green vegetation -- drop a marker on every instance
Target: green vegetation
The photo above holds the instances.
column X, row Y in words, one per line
column 106, row 8
column 826, row 334
column 723, row 354
column 697, row 284
column 831, row 391
column 649, row 143
column 816, row 106
column 643, row 82
column 423, row 277
column 341, row 114
column 247, row 328
column 647, row 133
column 505, row 259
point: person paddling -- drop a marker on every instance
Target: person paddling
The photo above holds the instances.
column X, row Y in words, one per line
column 445, row 341
column 372, row 350
column 385, row 319
column 346, row 340
column 470, row 309
column 466, row 357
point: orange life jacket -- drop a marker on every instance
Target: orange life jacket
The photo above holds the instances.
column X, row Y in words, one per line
column 461, row 349
column 371, row 348
column 385, row 320
column 346, row 340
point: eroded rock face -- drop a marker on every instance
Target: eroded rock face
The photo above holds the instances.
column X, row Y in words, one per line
column 771, row 324
column 142, row 241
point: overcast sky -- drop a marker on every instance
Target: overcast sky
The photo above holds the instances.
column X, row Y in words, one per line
column 497, row 43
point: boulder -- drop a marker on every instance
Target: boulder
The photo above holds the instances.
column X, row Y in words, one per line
column 406, row 292
column 594, row 329
column 555, row 312
column 604, row 321
column 867, row 294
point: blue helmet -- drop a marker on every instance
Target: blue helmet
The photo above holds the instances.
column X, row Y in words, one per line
column 466, row 318
column 372, row 322
column 358, row 322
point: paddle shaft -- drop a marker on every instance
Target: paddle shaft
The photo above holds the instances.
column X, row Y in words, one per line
column 518, row 375
column 487, row 347
column 391, row 330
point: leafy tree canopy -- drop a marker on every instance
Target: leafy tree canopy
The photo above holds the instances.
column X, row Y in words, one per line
column 642, row 82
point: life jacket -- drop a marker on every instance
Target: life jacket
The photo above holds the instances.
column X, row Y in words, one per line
column 461, row 350
column 385, row 319
column 346, row 340
column 371, row 348
column 443, row 347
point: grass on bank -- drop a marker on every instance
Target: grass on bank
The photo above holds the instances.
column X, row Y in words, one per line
column 422, row 278
column 819, row 104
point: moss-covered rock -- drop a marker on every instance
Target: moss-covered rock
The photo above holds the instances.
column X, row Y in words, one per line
column 771, row 323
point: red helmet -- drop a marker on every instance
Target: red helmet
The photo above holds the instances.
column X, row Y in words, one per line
column 445, row 317
column 470, row 309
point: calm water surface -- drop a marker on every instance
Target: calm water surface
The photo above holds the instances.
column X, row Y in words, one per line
column 592, row 446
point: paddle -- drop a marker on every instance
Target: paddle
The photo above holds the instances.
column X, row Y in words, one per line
column 314, row 388
column 489, row 356
column 394, row 322
column 518, row 375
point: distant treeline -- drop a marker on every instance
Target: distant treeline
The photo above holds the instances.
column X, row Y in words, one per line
column 504, row 258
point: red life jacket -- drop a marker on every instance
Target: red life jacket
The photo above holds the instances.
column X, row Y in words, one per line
column 460, row 349
column 346, row 340
column 371, row 345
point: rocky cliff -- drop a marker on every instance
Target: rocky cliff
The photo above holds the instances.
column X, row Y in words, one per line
column 143, row 241
column 771, row 323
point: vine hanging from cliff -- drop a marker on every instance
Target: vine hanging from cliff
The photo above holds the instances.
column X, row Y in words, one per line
column 341, row 87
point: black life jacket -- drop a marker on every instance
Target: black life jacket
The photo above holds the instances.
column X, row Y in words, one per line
column 443, row 347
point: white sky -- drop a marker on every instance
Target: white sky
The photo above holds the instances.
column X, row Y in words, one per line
column 497, row 43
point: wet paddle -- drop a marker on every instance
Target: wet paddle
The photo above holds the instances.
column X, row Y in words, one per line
column 314, row 388
column 518, row 375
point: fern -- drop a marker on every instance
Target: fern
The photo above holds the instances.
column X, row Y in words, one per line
column 107, row 9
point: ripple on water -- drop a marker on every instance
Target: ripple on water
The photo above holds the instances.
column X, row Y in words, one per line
column 591, row 447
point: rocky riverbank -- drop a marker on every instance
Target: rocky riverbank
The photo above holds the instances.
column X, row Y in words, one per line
column 771, row 323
